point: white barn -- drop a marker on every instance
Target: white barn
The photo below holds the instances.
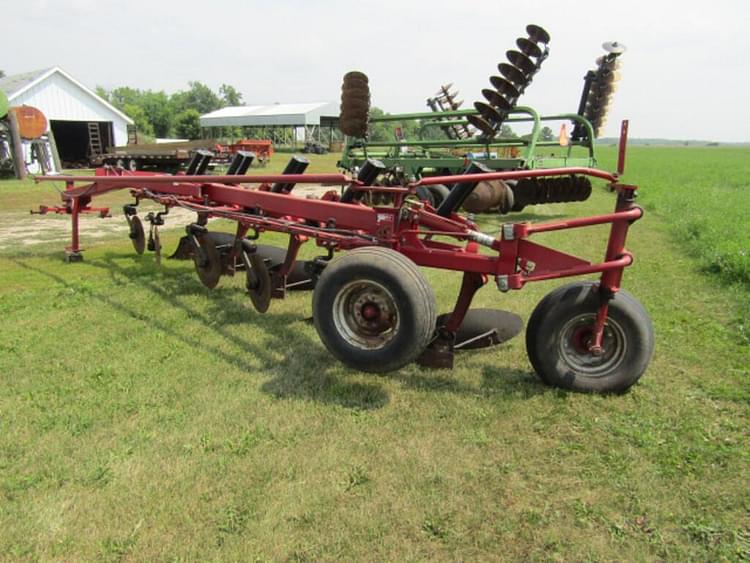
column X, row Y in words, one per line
column 70, row 108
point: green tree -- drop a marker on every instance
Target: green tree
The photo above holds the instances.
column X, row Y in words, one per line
column 230, row 96
column 546, row 134
column 387, row 131
column 124, row 95
column 139, row 117
column 380, row 131
column 2, row 74
column 506, row 132
column 187, row 124
column 159, row 111
column 155, row 112
column 199, row 97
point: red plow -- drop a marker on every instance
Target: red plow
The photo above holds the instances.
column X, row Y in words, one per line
column 372, row 307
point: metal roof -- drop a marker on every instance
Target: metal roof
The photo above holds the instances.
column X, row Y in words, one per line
column 14, row 86
column 276, row 114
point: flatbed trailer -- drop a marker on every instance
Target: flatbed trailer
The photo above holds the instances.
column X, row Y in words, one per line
column 157, row 157
column 171, row 157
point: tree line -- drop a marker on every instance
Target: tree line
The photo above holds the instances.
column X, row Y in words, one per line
column 158, row 114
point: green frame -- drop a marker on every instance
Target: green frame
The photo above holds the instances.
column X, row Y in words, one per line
column 433, row 156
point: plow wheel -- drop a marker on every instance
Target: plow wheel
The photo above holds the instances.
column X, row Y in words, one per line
column 207, row 262
column 560, row 331
column 439, row 193
column 374, row 310
column 137, row 235
column 258, row 280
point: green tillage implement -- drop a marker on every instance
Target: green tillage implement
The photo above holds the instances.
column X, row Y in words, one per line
column 420, row 157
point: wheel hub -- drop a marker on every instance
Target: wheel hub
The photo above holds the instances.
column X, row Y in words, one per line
column 366, row 315
column 370, row 311
column 576, row 346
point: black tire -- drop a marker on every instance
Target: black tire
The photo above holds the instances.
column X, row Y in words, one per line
column 556, row 337
column 439, row 193
column 137, row 235
column 424, row 194
column 374, row 310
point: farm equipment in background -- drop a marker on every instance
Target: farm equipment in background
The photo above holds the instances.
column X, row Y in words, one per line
column 171, row 157
column 26, row 145
column 445, row 100
column 157, row 157
column 261, row 148
column 474, row 136
column 599, row 86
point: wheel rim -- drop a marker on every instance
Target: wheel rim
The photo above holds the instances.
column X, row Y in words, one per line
column 366, row 315
column 575, row 338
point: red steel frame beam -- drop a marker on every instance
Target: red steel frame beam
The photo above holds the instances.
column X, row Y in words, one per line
column 399, row 228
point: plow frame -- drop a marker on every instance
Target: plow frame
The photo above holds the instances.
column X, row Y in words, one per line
column 409, row 227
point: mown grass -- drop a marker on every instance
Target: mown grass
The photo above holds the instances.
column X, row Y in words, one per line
column 147, row 418
column 703, row 193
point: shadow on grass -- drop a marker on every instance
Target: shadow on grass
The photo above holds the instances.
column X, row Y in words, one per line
column 496, row 380
column 294, row 377
column 303, row 372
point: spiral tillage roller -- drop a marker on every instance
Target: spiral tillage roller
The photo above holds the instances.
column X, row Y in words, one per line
column 445, row 100
column 355, row 104
column 599, row 88
column 515, row 77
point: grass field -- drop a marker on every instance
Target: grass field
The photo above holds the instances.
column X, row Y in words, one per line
column 146, row 418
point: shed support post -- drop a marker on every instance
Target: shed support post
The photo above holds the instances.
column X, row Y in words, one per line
column 17, row 147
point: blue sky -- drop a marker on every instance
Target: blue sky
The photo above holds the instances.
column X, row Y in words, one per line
column 685, row 74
